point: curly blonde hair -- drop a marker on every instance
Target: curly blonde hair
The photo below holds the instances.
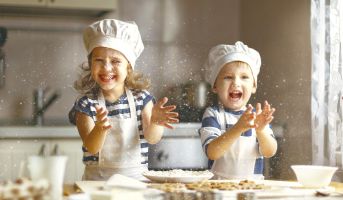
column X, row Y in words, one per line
column 87, row 86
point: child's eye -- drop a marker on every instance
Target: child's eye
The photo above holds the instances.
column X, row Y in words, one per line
column 245, row 77
column 98, row 60
column 228, row 77
column 116, row 61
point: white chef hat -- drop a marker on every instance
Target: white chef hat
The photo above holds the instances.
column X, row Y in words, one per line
column 115, row 34
column 222, row 54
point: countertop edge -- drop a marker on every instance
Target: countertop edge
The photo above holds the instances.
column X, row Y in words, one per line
column 38, row 132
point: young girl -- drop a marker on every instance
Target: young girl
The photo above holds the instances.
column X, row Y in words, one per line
column 234, row 135
column 115, row 115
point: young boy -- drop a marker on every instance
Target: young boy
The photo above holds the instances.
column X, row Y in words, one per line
column 233, row 134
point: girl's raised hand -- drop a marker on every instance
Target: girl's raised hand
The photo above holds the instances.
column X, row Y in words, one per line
column 246, row 121
column 163, row 115
column 263, row 116
column 102, row 120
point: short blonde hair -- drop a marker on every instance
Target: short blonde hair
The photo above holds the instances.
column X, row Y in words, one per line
column 87, row 86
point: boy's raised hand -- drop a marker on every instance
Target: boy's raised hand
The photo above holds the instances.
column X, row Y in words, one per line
column 263, row 116
column 246, row 121
column 163, row 115
column 102, row 120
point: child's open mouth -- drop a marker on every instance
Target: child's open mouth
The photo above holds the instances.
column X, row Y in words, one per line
column 107, row 78
column 235, row 95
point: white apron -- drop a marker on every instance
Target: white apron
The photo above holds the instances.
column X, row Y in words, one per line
column 238, row 162
column 121, row 152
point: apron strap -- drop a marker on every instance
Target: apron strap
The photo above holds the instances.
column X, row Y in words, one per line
column 222, row 118
column 132, row 104
column 101, row 99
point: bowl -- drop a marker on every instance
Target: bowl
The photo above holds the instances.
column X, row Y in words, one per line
column 314, row 176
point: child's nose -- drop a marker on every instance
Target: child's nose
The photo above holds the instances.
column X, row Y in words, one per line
column 108, row 66
column 236, row 81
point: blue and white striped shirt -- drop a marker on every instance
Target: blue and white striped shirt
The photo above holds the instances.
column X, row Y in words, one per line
column 211, row 129
column 120, row 109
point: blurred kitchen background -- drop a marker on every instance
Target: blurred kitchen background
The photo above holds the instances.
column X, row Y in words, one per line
column 44, row 48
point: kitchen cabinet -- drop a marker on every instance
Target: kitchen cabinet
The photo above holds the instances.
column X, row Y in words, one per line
column 83, row 4
column 23, row 2
column 64, row 4
column 85, row 8
column 13, row 151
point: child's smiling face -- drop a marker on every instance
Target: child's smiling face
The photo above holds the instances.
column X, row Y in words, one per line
column 234, row 85
column 108, row 68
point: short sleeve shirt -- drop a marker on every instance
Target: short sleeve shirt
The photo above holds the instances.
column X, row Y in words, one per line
column 120, row 109
column 211, row 129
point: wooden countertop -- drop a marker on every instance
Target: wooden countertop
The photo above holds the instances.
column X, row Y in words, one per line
column 73, row 188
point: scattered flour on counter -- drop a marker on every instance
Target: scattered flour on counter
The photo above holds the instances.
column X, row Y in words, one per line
column 177, row 173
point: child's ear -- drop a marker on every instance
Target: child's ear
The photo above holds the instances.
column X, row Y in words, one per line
column 254, row 88
column 129, row 67
column 214, row 90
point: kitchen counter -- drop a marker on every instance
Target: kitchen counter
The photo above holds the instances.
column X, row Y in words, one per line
column 50, row 131
column 187, row 130
column 287, row 194
column 23, row 132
